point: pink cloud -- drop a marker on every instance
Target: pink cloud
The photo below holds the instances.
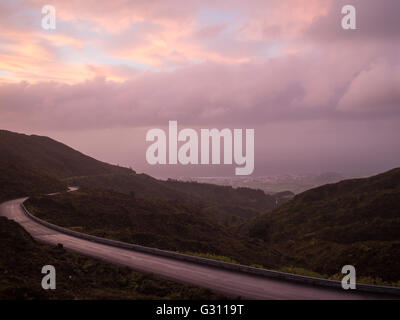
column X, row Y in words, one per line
column 374, row 89
column 286, row 68
column 209, row 72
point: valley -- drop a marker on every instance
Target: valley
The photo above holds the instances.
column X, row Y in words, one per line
column 313, row 233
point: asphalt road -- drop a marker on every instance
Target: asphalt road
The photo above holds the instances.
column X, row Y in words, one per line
column 231, row 283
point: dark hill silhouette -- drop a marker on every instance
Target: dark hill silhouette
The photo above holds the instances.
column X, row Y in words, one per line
column 50, row 157
column 17, row 181
column 351, row 222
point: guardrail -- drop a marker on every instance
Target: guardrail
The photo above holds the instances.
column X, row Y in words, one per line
column 214, row 263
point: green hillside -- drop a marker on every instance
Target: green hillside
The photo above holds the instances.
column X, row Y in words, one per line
column 351, row 222
column 32, row 165
column 169, row 225
column 17, row 181
column 49, row 159
column 47, row 156
column 223, row 204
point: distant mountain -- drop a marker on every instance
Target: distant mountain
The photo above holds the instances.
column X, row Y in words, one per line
column 351, row 222
column 47, row 156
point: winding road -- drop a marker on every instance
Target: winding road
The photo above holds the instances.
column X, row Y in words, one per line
column 227, row 282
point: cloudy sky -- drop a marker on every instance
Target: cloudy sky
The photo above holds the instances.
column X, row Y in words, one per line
column 320, row 98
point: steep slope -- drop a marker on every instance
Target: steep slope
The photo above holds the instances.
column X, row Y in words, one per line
column 17, row 181
column 351, row 222
column 47, row 156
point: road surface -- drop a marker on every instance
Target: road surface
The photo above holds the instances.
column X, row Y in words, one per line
column 228, row 282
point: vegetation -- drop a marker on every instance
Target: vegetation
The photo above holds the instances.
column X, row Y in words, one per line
column 19, row 182
column 223, row 204
column 353, row 222
column 155, row 224
column 212, row 257
column 317, row 232
column 49, row 157
column 168, row 225
column 78, row 277
column 32, row 165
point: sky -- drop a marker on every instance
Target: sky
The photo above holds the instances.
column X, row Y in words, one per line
column 319, row 97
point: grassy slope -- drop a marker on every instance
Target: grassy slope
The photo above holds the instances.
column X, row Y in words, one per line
column 223, row 204
column 47, row 156
column 162, row 224
column 16, row 181
column 32, row 165
column 50, row 158
column 355, row 221
column 351, row 222
column 78, row 277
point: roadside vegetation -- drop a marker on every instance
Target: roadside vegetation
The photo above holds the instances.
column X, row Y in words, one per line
column 18, row 182
column 78, row 277
column 354, row 222
column 162, row 224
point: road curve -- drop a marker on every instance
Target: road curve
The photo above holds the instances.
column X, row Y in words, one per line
column 228, row 282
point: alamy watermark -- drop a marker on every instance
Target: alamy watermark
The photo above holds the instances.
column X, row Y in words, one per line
column 196, row 151
column 349, row 280
column 349, row 20
column 49, row 17
column 49, row 280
